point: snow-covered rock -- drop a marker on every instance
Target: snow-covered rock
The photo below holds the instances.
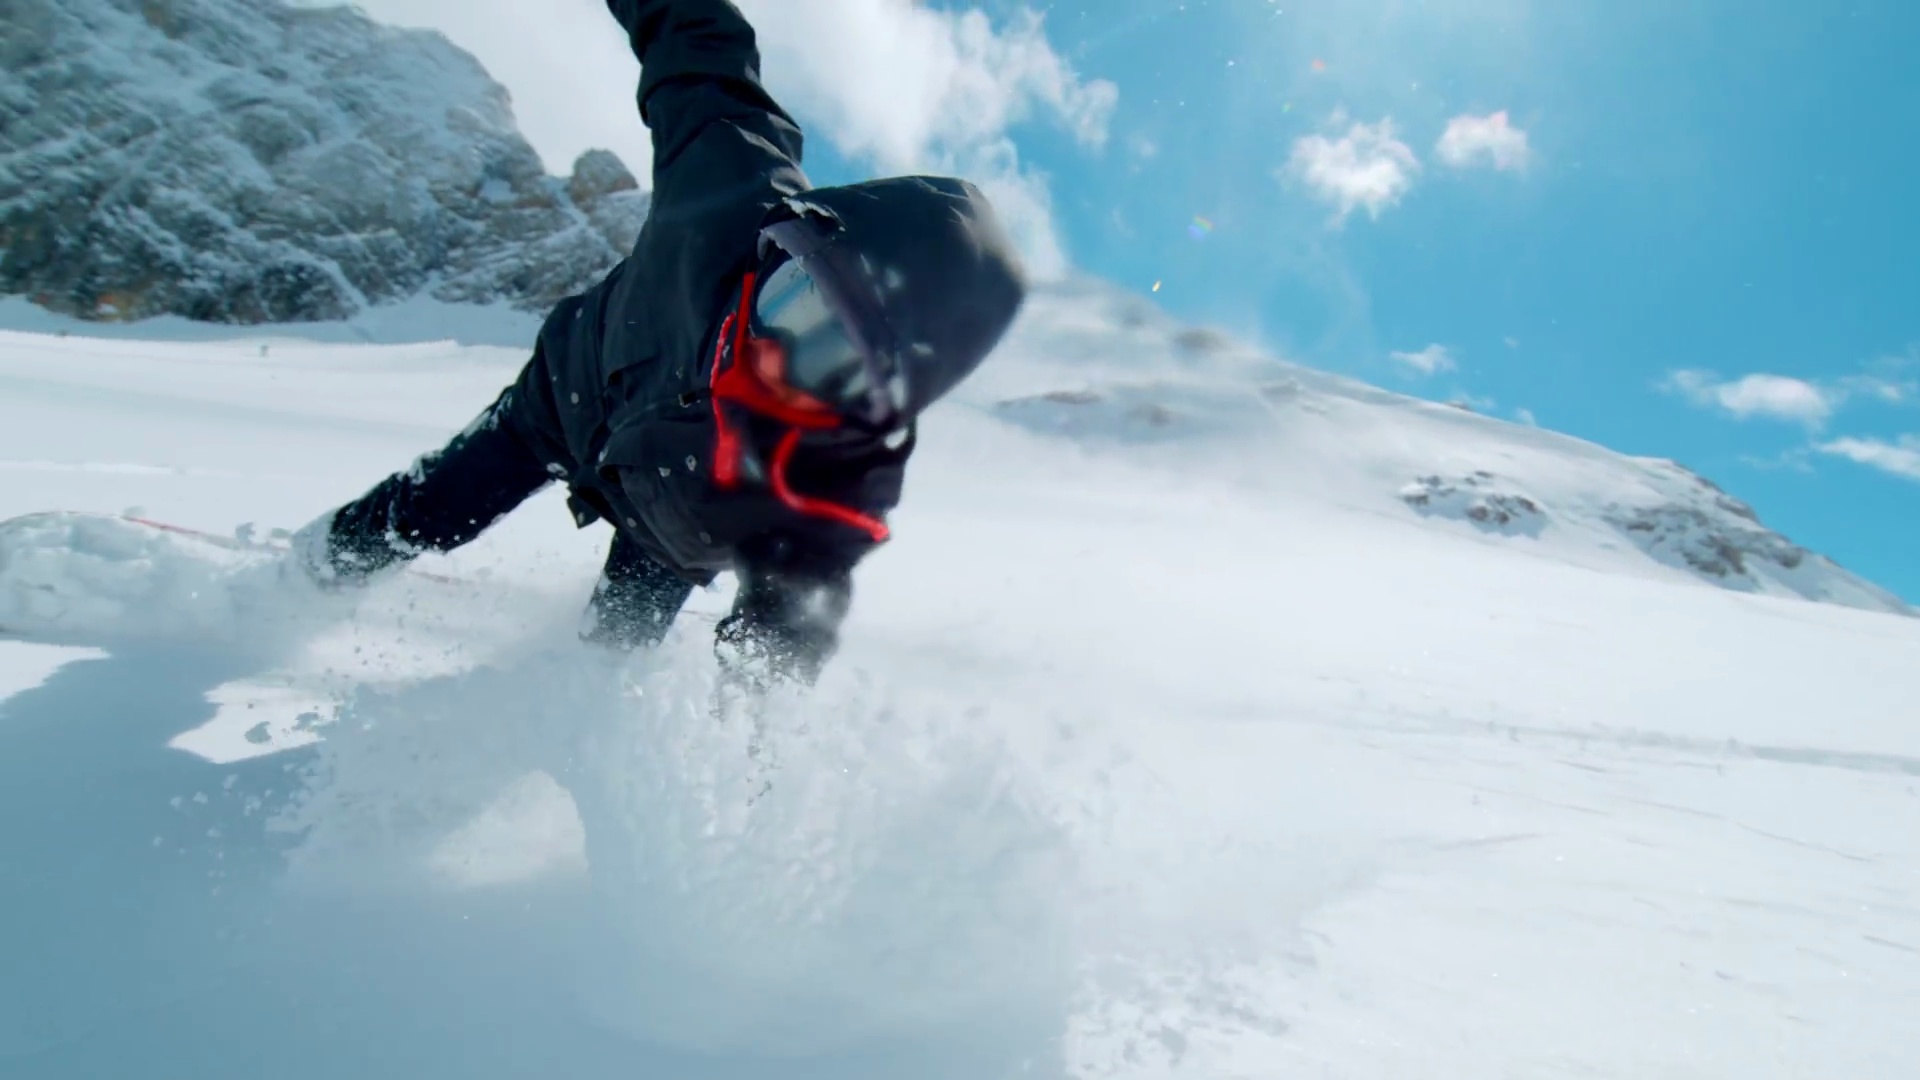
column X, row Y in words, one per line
column 1476, row 498
column 1702, row 529
column 248, row 161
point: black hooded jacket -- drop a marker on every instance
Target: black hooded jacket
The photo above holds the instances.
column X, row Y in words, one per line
column 622, row 367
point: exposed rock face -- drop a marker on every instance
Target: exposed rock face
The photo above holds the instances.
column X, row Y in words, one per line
column 1479, row 498
column 1707, row 531
column 1689, row 524
column 1691, row 537
column 247, row 161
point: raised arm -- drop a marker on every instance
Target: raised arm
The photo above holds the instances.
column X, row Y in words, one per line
column 700, row 66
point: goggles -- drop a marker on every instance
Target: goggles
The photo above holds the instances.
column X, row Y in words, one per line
column 804, row 351
column 822, row 304
column 805, row 347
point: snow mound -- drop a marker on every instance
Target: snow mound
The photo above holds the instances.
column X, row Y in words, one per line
column 93, row 578
column 105, row 579
column 250, row 161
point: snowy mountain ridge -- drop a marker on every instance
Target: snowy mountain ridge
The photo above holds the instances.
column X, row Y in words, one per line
column 248, row 161
column 1108, row 367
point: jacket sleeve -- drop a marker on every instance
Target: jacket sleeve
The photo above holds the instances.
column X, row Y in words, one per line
column 700, row 66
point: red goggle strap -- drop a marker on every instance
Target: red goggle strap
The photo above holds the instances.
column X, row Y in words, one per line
column 728, row 447
column 818, row 508
column 737, row 385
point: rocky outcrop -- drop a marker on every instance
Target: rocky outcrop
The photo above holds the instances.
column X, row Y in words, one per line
column 1480, row 499
column 1691, row 537
column 247, row 161
column 1710, row 533
column 1673, row 516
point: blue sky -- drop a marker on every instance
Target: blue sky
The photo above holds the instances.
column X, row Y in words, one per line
column 1719, row 189
column 1679, row 229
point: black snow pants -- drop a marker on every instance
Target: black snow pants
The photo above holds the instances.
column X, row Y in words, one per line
column 451, row 495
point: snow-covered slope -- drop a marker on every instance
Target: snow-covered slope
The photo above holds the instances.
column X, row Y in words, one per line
column 249, row 161
column 1100, row 365
column 1187, row 748
column 1210, row 717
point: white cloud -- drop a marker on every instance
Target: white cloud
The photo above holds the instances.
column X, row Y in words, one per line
column 1365, row 167
column 1484, row 140
column 1428, row 361
column 890, row 82
column 1526, row 417
column 1776, row 397
column 1793, row 460
column 898, row 82
column 1022, row 198
column 912, row 88
column 1782, row 397
column 1891, row 391
column 1900, row 457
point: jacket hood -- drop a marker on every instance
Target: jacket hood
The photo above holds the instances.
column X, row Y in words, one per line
column 942, row 271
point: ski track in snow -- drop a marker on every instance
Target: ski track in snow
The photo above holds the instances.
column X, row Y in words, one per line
column 1129, row 768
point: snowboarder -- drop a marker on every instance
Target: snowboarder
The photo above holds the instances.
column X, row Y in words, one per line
column 740, row 393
